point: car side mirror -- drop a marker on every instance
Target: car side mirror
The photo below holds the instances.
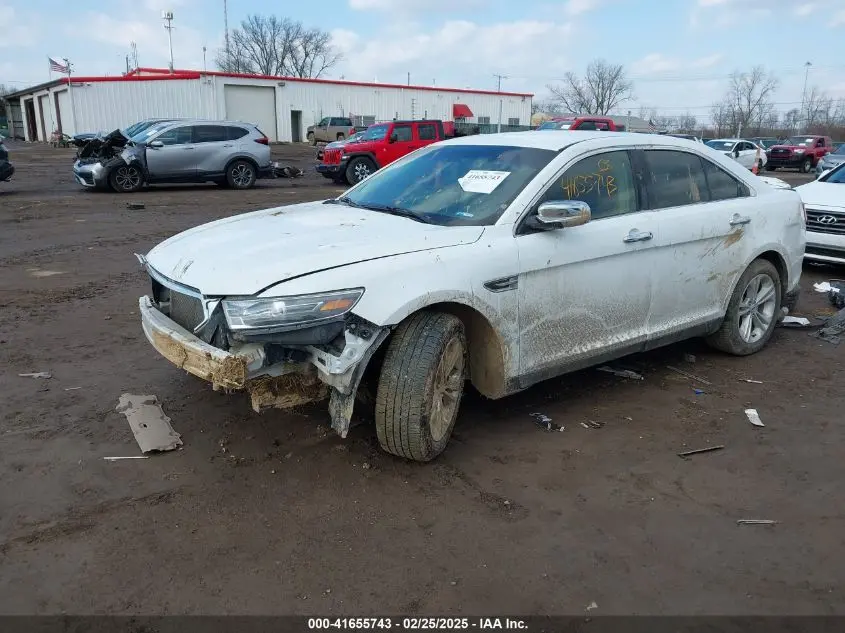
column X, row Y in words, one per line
column 155, row 144
column 393, row 138
column 561, row 214
column 736, row 153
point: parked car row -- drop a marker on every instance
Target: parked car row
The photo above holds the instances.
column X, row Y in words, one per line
column 229, row 153
column 742, row 151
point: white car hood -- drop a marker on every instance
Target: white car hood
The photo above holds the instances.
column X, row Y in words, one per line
column 777, row 183
column 822, row 194
column 248, row 253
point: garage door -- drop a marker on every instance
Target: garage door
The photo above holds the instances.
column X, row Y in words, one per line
column 46, row 123
column 64, row 114
column 253, row 104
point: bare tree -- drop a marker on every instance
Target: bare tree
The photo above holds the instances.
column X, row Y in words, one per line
column 687, row 122
column 791, row 120
column 720, row 117
column 749, row 97
column 4, row 90
column 270, row 45
column 602, row 89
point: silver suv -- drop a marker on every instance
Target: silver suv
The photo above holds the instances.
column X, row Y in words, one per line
column 229, row 153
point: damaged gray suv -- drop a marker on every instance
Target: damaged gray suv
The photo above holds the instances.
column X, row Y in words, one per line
column 229, row 153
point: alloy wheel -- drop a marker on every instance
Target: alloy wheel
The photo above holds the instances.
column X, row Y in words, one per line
column 757, row 308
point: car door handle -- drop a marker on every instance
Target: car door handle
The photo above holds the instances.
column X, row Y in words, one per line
column 186, row 148
column 738, row 220
column 637, row 236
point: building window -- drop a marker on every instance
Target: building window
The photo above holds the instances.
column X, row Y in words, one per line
column 484, row 120
column 513, row 121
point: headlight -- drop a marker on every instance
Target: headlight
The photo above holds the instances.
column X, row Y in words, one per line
column 275, row 312
column 799, row 151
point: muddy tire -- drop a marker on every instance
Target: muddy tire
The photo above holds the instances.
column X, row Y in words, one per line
column 806, row 166
column 126, row 179
column 359, row 169
column 420, row 386
column 311, row 138
column 770, row 167
column 241, row 175
column 753, row 311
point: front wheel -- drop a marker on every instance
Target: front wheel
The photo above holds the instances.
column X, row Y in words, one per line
column 420, row 386
column 359, row 169
column 311, row 138
column 806, row 166
column 752, row 312
column 240, row 175
column 126, row 179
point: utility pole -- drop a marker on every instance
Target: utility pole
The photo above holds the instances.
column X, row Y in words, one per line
column 204, row 65
column 167, row 16
column 409, row 78
column 804, row 93
column 499, row 90
column 226, row 27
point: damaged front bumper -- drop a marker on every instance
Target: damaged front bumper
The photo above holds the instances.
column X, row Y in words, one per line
column 90, row 173
column 314, row 375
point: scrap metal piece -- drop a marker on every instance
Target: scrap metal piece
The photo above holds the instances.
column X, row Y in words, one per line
column 833, row 329
column 37, row 374
column 148, row 422
column 754, row 417
column 701, row 450
column 622, row 373
column 689, row 375
column 756, row 522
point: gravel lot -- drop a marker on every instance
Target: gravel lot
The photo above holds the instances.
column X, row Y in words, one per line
column 274, row 514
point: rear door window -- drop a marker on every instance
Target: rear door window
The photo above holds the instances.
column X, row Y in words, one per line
column 403, row 133
column 233, row 133
column 209, row 133
column 676, row 179
column 427, row 132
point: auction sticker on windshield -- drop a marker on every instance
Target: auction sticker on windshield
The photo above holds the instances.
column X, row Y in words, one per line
column 482, row 181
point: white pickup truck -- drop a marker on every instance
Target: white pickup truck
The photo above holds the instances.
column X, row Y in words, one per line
column 499, row 259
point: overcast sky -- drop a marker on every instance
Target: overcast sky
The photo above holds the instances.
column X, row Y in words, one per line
column 678, row 52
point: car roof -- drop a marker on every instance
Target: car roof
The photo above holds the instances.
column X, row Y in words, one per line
column 557, row 140
column 206, row 122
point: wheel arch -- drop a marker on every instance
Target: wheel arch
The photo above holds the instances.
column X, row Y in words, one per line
column 776, row 259
column 369, row 155
column 248, row 159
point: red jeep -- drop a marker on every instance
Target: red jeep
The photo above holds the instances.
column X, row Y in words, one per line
column 380, row 145
column 803, row 152
column 581, row 123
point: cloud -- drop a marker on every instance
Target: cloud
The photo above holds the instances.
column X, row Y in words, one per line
column 578, row 7
column 708, row 61
column 18, row 31
column 655, row 63
column 409, row 6
column 804, row 9
column 457, row 53
column 838, row 19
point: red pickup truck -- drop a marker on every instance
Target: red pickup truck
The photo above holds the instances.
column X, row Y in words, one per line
column 380, row 145
column 803, row 152
column 581, row 123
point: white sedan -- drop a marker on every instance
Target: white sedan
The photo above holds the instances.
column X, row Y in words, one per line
column 824, row 200
column 744, row 152
column 501, row 259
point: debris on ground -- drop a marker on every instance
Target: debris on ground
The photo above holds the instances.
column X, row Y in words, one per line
column 793, row 321
column 592, row 424
column 754, row 417
column 72, row 388
column 115, row 459
column 753, row 382
column 689, row 375
column 135, row 206
column 696, row 451
column 756, row 522
column 545, row 422
column 698, row 392
column 592, row 606
column 148, row 422
column 37, row 374
column 690, row 358
column 622, row 373
column 288, row 172
column 833, row 328
column 826, row 286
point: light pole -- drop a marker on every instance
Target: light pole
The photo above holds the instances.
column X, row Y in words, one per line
column 167, row 16
column 804, row 93
column 499, row 90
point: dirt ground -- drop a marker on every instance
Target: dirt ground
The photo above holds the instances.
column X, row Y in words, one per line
column 274, row 514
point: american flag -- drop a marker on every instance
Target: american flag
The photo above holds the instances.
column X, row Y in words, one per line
column 57, row 66
column 651, row 126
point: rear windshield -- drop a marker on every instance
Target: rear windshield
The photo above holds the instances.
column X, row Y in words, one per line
column 555, row 125
column 453, row 185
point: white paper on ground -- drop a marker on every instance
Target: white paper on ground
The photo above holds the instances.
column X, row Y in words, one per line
column 825, row 287
column 754, row 417
column 796, row 320
column 150, row 426
column 482, row 181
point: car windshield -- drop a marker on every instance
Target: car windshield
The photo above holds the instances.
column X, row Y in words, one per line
column 144, row 135
column 374, row 133
column 555, row 125
column 839, row 150
column 801, row 141
column 355, row 137
column 452, row 185
column 722, row 146
column 836, row 176
column 139, row 127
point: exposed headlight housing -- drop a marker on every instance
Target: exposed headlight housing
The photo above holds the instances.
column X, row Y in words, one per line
column 271, row 313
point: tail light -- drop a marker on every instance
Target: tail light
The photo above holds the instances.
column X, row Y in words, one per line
column 263, row 140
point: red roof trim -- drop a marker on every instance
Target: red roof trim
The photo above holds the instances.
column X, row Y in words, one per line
column 89, row 80
column 161, row 73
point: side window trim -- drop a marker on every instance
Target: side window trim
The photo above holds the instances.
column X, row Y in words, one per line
column 746, row 190
column 531, row 207
column 647, row 178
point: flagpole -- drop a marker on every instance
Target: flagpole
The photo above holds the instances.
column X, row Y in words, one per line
column 49, row 106
column 70, row 96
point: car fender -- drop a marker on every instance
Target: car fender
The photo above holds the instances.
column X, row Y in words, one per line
column 370, row 155
column 792, row 267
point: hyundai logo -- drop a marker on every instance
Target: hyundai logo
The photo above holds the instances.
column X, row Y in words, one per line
column 827, row 219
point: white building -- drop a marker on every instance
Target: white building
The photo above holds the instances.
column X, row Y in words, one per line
column 282, row 107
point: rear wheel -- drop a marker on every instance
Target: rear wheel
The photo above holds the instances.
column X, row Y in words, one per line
column 311, row 138
column 340, row 137
column 126, row 179
column 420, row 386
column 359, row 169
column 753, row 311
column 806, row 166
column 240, row 175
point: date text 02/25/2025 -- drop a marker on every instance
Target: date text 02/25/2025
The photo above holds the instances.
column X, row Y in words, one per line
column 417, row 624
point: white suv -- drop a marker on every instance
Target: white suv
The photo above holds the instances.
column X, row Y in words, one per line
column 499, row 259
